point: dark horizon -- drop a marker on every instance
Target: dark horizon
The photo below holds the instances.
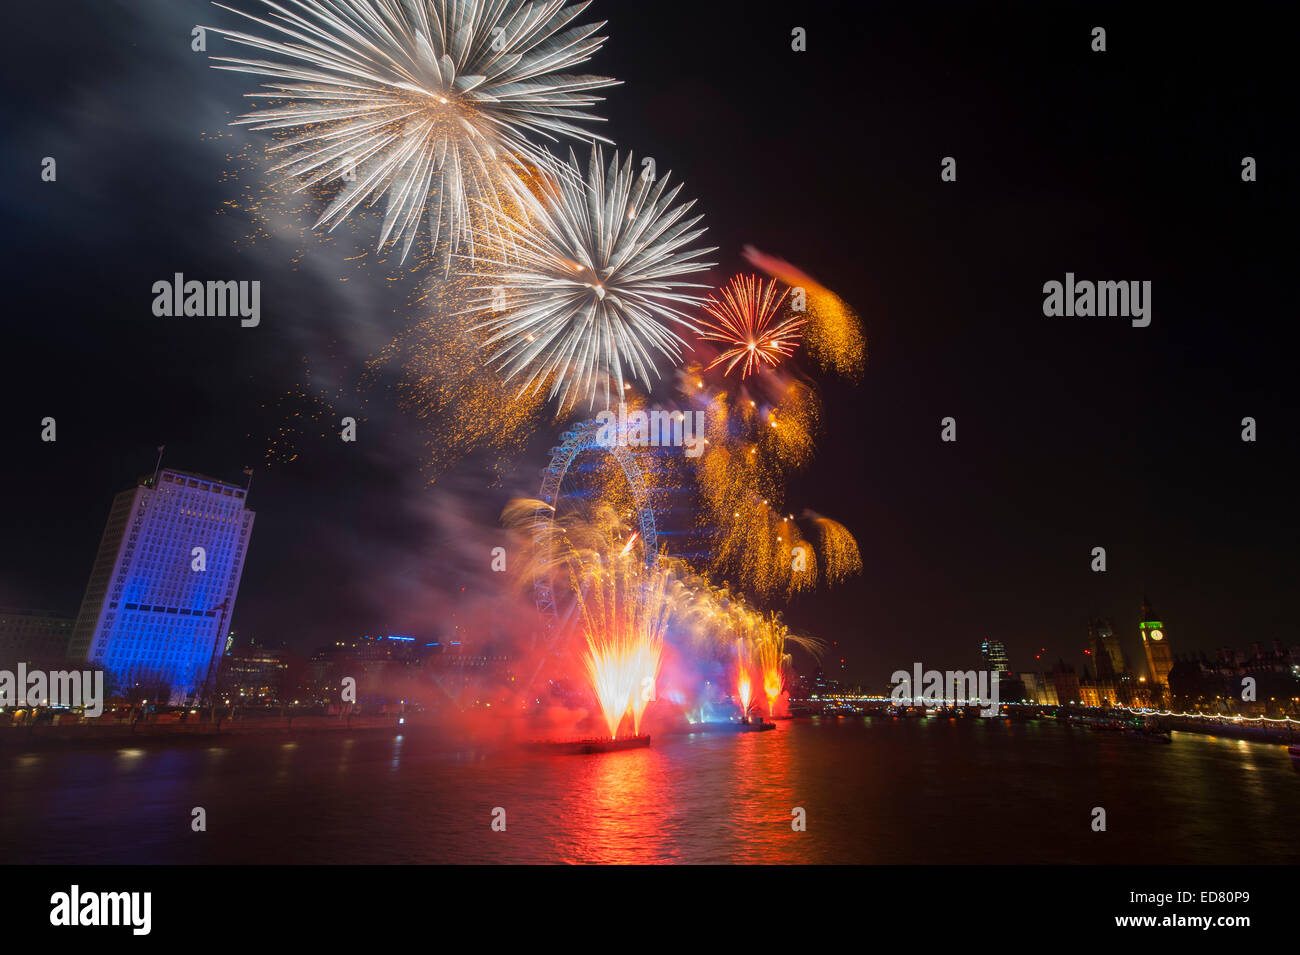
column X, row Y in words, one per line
column 1072, row 432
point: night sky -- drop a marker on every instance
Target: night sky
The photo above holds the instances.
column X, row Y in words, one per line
column 1072, row 432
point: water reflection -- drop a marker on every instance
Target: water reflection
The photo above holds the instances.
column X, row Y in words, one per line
column 889, row 791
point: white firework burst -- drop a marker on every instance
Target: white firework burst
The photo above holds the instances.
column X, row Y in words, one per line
column 595, row 283
column 425, row 103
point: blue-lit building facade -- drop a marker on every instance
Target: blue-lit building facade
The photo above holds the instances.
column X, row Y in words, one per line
column 150, row 616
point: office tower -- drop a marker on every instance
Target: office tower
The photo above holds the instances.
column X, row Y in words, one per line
column 994, row 655
column 163, row 585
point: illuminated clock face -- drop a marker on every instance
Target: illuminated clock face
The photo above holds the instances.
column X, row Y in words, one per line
column 1157, row 635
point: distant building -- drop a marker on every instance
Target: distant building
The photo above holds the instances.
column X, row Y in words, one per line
column 822, row 686
column 1038, row 689
column 254, row 675
column 1155, row 643
column 155, row 606
column 400, row 670
column 35, row 637
column 376, row 663
column 994, row 655
column 1107, row 655
column 1112, row 684
column 326, row 667
column 1198, row 683
column 1066, row 681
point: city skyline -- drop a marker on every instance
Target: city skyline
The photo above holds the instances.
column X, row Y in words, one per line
column 1068, row 646
column 1094, row 632
column 676, row 434
column 1071, row 433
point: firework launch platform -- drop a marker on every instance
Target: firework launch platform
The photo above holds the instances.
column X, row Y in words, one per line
column 585, row 747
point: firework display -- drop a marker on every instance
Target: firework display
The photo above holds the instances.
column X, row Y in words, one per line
column 743, row 320
column 596, row 283
column 754, row 445
column 623, row 606
column 834, row 332
column 427, row 105
column 443, row 434
column 442, row 378
column 629, row 610
column 560, row 289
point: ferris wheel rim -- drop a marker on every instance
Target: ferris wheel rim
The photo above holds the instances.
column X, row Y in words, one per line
column 580, row 438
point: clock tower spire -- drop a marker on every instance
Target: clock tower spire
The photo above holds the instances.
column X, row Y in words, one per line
column 1156, row 646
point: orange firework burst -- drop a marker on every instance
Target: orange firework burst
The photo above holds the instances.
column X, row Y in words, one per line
column 834, row 337
column 746, row 325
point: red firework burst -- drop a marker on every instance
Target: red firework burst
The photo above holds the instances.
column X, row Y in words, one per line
column 746, row 325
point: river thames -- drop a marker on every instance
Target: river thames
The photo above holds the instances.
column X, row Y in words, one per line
column 873, row 790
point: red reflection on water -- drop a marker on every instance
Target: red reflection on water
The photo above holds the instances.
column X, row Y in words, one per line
column 673, row 802
column 617, row 809
column 764, row 798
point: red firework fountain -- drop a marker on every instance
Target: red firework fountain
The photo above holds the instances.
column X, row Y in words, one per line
column 772, row 688
column 744, row 691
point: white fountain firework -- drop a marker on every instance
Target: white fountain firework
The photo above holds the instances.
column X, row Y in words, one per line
column 426, row 103
column 595, row 282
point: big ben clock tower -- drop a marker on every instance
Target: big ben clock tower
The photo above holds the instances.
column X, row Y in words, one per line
column 1156, row 644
